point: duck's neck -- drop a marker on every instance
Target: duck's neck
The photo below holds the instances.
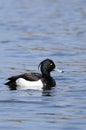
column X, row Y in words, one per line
column 46, row 75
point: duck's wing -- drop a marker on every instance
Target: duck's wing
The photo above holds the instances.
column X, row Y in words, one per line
column 28, row 76
column 32, row 76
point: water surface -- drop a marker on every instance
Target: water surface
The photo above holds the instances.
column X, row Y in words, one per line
column 31, row 31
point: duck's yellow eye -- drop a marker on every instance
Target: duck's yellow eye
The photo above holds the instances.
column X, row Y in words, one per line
column 51, row 64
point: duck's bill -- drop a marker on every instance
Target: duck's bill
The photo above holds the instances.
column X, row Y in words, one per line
column 58, row 70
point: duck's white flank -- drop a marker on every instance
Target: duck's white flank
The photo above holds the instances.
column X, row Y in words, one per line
column 23, row 84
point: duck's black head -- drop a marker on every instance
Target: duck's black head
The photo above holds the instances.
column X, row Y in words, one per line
column 46, row 66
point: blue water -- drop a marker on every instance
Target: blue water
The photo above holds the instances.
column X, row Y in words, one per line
column 31, row 31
